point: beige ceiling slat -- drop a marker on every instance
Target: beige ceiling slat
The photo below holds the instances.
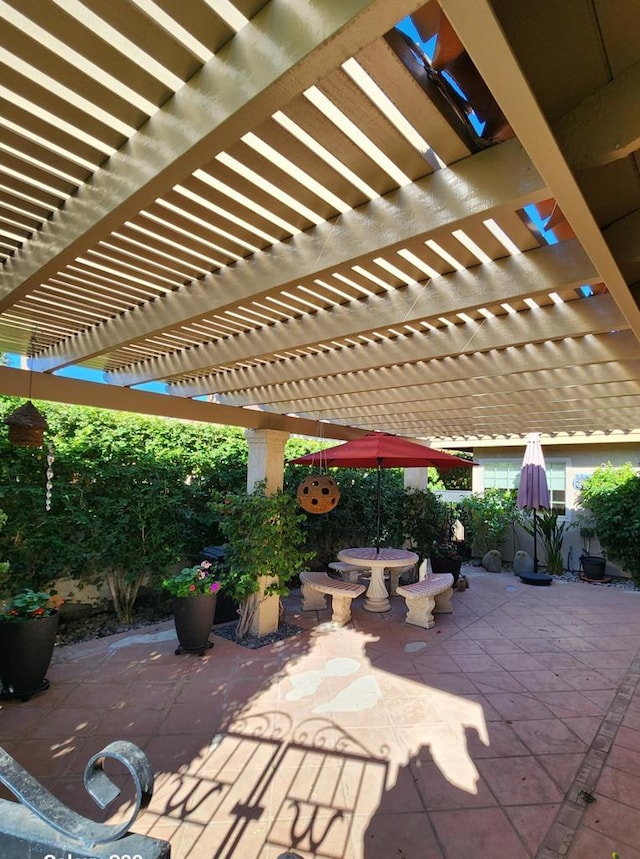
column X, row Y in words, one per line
column 169, row 227
column 236, row 209
column 555, row 399
column 56, row 22
column 129, row 268
column 336, row 141
column 288, row 49
column 22, row 189
column 598, row 315
column 52, row 160
column 210, row 230
column 512, row 224
column 147, row 34
column 76, row 292
column 436, row 201
column 26, row 209
column 50, row 134
column 156, row 249
column 274, row 203
column 147, row 268
column 62, row 109
column 36, row 174
column 340, row 389
column 570, row 378
column 480, row 235
column 66, row 75
column 505, row 280
column 199, row 19
column 344, row 93
column 295, row 151
column 21, row 230
column 240, row 234
column 385, row 68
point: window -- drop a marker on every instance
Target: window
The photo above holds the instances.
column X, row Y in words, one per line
column 506, row 475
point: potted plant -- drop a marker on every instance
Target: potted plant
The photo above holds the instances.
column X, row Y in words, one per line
column 551, row 533
column 193, row 591
column 28, row 626
column 445, row 553
column 264, row 549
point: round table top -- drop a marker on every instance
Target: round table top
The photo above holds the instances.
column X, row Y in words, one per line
column 391, row 557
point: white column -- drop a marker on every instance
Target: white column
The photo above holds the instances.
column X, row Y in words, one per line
column 415, row 478
column 265, row 462
column 266, row 458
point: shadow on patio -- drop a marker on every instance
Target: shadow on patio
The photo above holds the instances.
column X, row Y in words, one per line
column 372, row 741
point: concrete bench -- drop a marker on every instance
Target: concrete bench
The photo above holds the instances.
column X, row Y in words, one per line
column 395, row 574
column 348, row 572
column 426, row 597
column 317, row 586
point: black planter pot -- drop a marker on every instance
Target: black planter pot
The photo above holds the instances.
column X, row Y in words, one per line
column 447, row 565
column 593, row 567
column 193, row 618
column 26, row 648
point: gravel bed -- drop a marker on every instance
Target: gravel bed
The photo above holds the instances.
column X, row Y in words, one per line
column 228, row 631
column 610, row 582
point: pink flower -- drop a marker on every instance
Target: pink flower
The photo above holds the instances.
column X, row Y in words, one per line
column 205, row 565
column 215, row 586
column 202, row 574
column 192, row 587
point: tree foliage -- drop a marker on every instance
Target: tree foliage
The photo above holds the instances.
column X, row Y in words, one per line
column 612, row 495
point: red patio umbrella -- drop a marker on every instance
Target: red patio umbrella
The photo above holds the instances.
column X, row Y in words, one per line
column 382, row 450
column 533, row 492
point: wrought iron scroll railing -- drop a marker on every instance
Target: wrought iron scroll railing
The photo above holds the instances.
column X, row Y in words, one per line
column 40, row 826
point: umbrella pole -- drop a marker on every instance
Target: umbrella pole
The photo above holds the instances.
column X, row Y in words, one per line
column 378, row 499
column 535, row 543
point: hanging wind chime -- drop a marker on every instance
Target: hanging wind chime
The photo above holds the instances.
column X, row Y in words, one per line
column 27, row 426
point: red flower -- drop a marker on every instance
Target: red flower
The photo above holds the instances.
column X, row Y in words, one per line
column 192, row 587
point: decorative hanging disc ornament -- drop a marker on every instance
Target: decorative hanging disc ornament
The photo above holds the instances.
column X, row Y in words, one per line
column 318, row 494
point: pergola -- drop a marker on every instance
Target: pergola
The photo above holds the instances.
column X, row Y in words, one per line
column 286, row 213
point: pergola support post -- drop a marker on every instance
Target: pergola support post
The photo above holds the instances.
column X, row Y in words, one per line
column 265, row 463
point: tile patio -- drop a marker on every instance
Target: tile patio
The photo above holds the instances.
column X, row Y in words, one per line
column 379, row 740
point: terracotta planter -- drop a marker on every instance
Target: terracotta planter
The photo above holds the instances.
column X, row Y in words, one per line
column 193, row 618
column 26, row 648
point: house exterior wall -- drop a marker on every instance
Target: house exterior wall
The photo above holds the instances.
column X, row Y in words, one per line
column 580, row 461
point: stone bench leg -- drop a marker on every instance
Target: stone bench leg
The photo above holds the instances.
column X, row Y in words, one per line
column 443, row 602
column 420, row 611
column 312, row 600
column 341, row 610
column 394, row 581
column 351, row 576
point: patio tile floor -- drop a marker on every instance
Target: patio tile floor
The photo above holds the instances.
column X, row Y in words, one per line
column 479, row 737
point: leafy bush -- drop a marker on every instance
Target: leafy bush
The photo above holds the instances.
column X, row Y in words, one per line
column 486, row 517
column 263, row 537
column 612, row 494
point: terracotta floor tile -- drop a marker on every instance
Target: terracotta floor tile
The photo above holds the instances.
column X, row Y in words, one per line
column 562, row 767
column 454, row 783
column 620, row 786
column 584, row 727
column 497, row 681
column 502, row 741
column 548, row 736
column 629, row 738
column 481, row 832
column 615, row 820
column 588, row 844
column 519, row 781
column 543, row 680
column 516, row 705
column 566, row 704
column 399, row 834
column 532, row 823
column 518, row 662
